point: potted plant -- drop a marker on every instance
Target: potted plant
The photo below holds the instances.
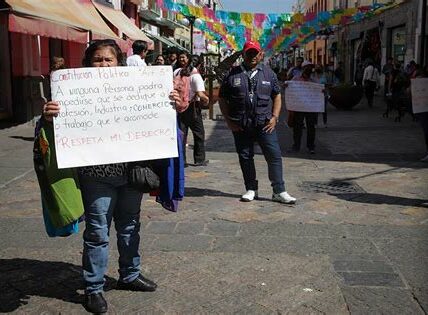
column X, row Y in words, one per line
column 345, row 96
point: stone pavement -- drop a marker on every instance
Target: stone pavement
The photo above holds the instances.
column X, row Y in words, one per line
column 356, row 242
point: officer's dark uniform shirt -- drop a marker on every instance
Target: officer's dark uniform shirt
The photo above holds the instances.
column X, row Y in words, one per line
column 249, row 94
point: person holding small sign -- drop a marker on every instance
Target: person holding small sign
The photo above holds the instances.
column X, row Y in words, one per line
column 107, row 195
column 300, row 117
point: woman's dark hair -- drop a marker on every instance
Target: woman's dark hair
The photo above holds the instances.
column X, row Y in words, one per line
column 98, row 44
column 187, row 69
column 160, row 55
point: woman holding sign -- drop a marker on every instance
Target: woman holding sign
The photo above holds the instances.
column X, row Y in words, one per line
column 107, row 195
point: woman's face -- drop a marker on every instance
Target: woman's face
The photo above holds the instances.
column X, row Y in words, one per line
column 104, row 57
column 160, row 60
column 183, row 60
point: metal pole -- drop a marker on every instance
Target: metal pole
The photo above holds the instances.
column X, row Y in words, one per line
column 423, row 33
column 325, row 50
column 210, row 95
column 191, row 36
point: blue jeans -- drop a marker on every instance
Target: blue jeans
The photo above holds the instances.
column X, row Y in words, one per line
column 244, row 143
column 105, row 198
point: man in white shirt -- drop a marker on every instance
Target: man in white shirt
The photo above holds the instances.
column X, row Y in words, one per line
column 139, row 48
column 192, row 116
column 370, row 81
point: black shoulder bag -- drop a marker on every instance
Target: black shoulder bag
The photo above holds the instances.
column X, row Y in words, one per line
column 142, row 176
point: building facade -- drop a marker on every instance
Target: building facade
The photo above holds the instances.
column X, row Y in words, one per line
column 396, row 32
column 169, row 29
column 393, row 33
column 32, row 35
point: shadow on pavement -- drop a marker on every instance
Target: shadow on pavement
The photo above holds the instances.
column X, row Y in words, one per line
column 201, row 192
column 23, row 278
column 361, row 135
column 381, row 199
column 23, row 138
column 8, row 124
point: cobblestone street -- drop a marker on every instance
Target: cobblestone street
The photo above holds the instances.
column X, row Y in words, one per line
column 356, row 241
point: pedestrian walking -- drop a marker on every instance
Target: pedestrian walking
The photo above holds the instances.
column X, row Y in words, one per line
column 107, row 195
column 320, row 76
column 371, row 81
column 339, row 73
column 139, row 49
column 250, row 101
column 423, row 116
column 309, row 118
column 295, row 71
column 359, row 74
column 193, row 92
column 387, row 70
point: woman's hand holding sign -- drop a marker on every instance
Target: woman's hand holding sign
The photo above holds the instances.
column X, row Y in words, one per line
column 50, row 110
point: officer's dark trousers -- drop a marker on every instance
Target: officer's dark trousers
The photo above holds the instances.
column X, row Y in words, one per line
column 311, row 120
column 192, row 118
column 244, row 143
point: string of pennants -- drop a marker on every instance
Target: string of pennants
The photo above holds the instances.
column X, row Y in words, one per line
column 274, row 31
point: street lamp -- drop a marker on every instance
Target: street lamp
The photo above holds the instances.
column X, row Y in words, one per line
column 190, row 20
column 324, row 35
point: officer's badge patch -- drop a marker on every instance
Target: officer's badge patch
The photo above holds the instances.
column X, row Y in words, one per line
column 266, row 82
column 237, row 82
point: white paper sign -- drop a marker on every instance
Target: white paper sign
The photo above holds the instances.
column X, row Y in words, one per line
column 419, row 87
column 113, row 114
column 303, row 96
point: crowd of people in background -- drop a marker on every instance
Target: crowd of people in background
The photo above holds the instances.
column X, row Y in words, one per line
column 367, row 75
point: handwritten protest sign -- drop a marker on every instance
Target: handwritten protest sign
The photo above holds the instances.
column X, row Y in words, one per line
column 113, row 114
column 419, row 95
column 303, row 96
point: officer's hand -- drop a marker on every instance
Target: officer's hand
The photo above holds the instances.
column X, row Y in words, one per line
column 270, row 126
column 233, row 127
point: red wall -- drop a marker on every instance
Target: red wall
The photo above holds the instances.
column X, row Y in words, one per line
column 73, row 54
column 17, row 56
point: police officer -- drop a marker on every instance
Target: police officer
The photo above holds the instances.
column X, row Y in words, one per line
column 250, row 101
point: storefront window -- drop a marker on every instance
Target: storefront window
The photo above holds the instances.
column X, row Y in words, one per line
column 398, row 43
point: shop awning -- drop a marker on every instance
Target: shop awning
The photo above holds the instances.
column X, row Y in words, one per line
column 177, row 45
column 160, row 38
column 33, row 26
column 167, row 41
column 123, row 23
column 57, row 18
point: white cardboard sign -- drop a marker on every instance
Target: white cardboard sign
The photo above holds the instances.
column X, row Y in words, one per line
column 113, row 114
column 303, row 96
column 419, row 87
